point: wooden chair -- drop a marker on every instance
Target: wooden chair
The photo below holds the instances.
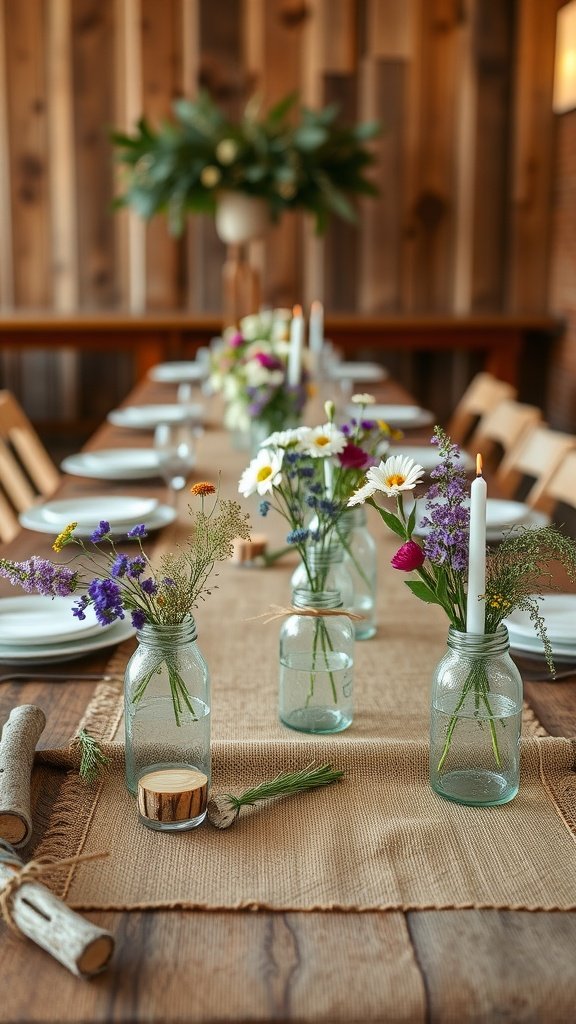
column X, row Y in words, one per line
column 560, row 483
column 502, row 428
column 26, row 470
column 481, row 396
column 536, row 455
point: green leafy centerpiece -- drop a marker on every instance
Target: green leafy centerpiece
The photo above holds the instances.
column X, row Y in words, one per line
column 290, row 157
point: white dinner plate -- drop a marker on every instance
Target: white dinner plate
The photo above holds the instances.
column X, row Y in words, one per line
column 33, row 519
column 497, row 525
column 118, row 510
column 364, row 372
column 114, row 464
column 501, row 514
column 178, row 373
column 34, row 619
column 108, row 636
column 146, row 417
column 533, row 647
column 402, row 416
column 427, row 456
column 559, row 614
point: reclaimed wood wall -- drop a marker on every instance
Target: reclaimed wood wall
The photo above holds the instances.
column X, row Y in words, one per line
column 462, row 89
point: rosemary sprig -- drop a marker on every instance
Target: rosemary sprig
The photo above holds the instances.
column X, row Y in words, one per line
column 92, row 758
column 224, row 810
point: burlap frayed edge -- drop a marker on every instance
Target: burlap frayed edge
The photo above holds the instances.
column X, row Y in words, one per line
column 73, row 810
column 255, row 906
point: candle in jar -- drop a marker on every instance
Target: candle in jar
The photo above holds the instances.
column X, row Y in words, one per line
column 476, row 608
column 296, row 343
column 316, row 327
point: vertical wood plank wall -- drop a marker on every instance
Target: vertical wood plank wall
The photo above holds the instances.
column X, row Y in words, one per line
column 462, row 89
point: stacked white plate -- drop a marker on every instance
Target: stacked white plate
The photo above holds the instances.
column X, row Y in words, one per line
column 35, row 628
column 114, row 464
column 366, row 373
column 146, row 417
column 559, row 614
column 179, row 372
column 121, row 511
column 406, row 417
column 425, row 455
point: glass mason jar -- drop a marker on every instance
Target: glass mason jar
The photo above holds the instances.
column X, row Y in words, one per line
column 316, row 664
column 476, row 719
column 327, row 572
column 360, row 558
column 167, row 708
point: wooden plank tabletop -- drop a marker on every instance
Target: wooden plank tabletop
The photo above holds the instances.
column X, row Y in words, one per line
column 180, row 966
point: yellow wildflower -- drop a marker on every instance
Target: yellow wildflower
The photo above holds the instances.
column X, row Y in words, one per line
column 64, row 537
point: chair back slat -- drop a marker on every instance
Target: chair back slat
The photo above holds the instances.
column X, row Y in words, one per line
column 503, row 426
column 27, row 472
column 481, row 396
column 537, row 454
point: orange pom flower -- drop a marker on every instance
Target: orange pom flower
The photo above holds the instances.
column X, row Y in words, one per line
column 202, row 489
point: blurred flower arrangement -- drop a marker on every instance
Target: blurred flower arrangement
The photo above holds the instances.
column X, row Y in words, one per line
column 114, row 583
column 292, row 158
column 249, row 366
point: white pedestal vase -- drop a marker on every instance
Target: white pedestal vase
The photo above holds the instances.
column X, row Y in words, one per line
column 240, row 219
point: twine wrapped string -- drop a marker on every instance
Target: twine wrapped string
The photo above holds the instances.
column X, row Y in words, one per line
column 277, row 611
column 31, row 872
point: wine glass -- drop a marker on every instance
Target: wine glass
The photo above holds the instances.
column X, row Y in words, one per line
column 175, row 444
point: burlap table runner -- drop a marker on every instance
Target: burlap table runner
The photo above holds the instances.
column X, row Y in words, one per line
column 381, row 839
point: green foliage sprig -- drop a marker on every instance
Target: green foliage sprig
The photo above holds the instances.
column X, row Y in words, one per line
column 224, row 810
column 291, row 157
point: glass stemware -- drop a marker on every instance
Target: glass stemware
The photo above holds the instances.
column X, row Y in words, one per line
column 175, row 444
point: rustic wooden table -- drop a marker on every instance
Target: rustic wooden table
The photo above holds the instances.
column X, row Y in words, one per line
column 173, row 966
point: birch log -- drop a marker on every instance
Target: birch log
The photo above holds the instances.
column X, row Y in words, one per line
column 76, row 943
column 19, row 738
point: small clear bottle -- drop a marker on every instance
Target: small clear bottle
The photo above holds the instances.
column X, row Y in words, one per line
column 360, row 557
column 316, row 664
column 327, row 571
column 476, row 719
column 167, row 709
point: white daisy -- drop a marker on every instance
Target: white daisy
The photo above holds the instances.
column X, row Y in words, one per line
column 398, row 473
column 285, row 438
column 363, row 399
column 320, row 442
column 263, row 473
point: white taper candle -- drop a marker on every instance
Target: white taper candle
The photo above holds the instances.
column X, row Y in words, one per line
column 475, row 608
column 296, row 343
column 316, row 332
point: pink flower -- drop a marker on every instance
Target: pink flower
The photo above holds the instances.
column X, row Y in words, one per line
column 410, row 556
column 236, row 340
column 267, row 361
column 354, row 457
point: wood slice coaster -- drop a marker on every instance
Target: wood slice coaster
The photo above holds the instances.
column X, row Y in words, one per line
column 172, row 795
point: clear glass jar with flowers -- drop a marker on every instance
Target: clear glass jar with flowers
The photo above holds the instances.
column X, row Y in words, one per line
column 297, row 473
column 167, row 691
column 476, row 700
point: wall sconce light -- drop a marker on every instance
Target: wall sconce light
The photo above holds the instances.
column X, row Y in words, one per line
column 565, row 61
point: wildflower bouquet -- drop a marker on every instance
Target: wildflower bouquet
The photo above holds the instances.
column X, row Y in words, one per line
column 297, row 474
column 517, row 571
column 114, row 583
column 249, row 367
